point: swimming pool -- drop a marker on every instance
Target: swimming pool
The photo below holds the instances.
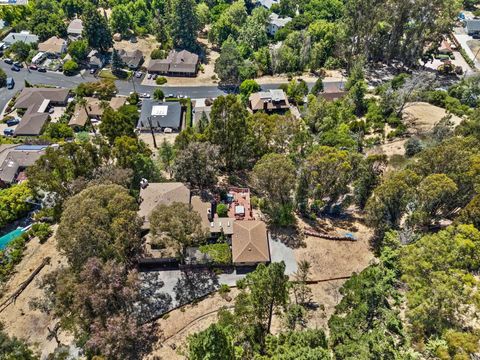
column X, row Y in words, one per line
column 5, row 239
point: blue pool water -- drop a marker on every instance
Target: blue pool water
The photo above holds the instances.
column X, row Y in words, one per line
column 5, row 239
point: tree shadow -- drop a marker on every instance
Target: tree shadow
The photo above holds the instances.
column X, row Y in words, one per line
column 153, row 302
column 194, row 284
column 292, row 236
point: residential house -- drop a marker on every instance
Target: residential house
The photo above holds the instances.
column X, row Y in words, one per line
column 132, row 59
column 211, row 221
column 269, row 101
column 276, row 22
column 93, row 109
column 24, row 36
column 53, row 47
column 36, row 102
column 472, row 27
column 14, row 159
column 177, row 63
column 75, row 29
column 154, row 194
column 333, row 91
column 160, row 116
column 250, row 244
column 267, row 4
column 201, row 107
column 96, row 60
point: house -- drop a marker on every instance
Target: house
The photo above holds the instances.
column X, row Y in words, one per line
column 95, row 108
column 16, row 158
column 472, row 27
column 75, row 29
column 24, row 36
column 160, row 116
column 211, row 221
column 250, row 243
column 36, row 102
column 177, row 63
column 53, row 47
column 333, row 91
column 132, row 59
column 95, row 60
column 276, row 22
column 201, row 107
column 154, row 194
column 269, row 101
column 267, row 4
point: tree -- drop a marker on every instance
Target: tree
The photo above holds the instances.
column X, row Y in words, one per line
column 14, row 203
column 70, row 67
column 274, row 178
column 58, row 131
column 158, row 94
column 3, row 78
column 203, row 15
column 184, row 24
column 248, row 87
column 13, row 348
column 212, row 343
column 413, row 146
column 439, row 272
column 119, row 123
column 117, row 62
column 227, row 129
column 197, row 165
column 96, row 30
column 177, row 225
column 229, row 63
column 296, row 91
column 120, row 19
column 308, row 344
column 21, row 50
column 318, row 87
column 167, row 156
column 78, row 50
column 470, row 214
column 100, row 221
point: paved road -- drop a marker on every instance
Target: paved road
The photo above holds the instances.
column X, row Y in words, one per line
column 124, row 87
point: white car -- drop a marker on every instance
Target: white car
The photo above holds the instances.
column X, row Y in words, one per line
column 167, row 130
column 145, row 95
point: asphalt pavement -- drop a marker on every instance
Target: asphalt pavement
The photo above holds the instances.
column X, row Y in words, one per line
column 124, row 86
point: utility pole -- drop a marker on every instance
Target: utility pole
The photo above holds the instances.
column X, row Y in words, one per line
column 153, row 133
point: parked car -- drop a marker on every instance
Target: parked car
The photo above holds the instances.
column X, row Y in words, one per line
column 15, row 68
column 170, row 96
column 8, row 61
column 93, row 71
column 167, row 130
column 12, row 122
column 51, row 110
column 42, row 69
column 33, row 67
column 8, row 132
column 145, row 95
column 18, row 64
column 149, row 76
column 10, row 83
column 138, row 74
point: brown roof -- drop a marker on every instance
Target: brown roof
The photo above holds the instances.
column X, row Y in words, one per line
column 217, row 224
column 269, row 100
column 94, row 108
column 53, row 45
column 31, row 124
column 75, row 27
column 176, row 62
column 161, row 193
column 18, row 159
column 35, row 96
column 250, row 242
column 131, row 58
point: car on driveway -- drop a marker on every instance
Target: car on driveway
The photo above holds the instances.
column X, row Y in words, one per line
column 12, row 122
column 138, row 74
column 149, row 76
column 33, row 67
column 42, row 69
column 8, row 61
column 8, row 132
column 15, row 68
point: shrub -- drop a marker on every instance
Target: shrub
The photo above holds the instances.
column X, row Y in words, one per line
column 222, row 210
column 42, row 231
column 161, row 80
column 413, row 146
column 158, row 94
column 219, row 253
column 224, row 289
column 70, row 67
column 157, row 54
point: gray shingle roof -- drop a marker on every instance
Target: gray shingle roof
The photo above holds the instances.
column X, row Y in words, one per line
column 162, row 114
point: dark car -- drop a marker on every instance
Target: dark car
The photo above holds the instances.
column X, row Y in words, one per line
column 8, row 132
column 42, row 69
column 12, row 122
column 18, row 64
column 8, row 61
column 15, row 68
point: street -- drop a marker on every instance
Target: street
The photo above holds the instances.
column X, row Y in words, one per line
column 124, row 87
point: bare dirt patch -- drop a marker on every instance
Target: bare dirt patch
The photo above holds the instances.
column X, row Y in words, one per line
column 422, row 117
column 20, row 321
column 144, row 44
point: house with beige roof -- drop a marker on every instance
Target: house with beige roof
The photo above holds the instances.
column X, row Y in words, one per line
column 75, row 29
column 269, row 101
column 177, row 63
column 54, row 46
column 93, row 109
column 250, row 243
column 36, row 102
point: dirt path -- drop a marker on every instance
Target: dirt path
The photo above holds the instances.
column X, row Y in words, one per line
column 19, row 320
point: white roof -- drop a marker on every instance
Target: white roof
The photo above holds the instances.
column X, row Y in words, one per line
column 279, row 21
column 159, row 110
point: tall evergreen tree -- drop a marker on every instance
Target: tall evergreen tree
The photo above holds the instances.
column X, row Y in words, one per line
column 184, row 24
column 96, row 30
